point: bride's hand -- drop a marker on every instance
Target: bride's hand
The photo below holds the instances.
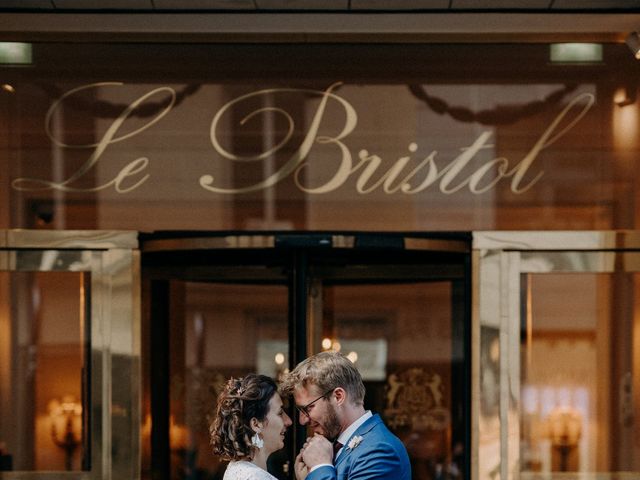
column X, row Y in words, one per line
column 300, row 468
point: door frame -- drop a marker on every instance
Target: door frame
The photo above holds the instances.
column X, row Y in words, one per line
column 298, row 248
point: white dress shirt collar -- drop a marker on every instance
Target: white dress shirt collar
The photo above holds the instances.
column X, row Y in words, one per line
column 351, row 429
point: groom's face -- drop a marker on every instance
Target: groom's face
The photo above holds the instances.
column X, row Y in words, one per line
column 319, row 415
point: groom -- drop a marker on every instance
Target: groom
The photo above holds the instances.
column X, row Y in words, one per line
column 349, row 442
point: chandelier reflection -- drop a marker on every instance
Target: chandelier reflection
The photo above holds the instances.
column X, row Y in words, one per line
column 332, row 344
column 66, row 426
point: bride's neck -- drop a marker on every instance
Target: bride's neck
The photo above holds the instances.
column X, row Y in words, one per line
column 260, row 459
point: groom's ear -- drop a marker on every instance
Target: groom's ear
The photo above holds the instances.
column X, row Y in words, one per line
column 340, row 394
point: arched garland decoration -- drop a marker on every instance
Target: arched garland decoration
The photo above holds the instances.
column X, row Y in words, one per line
column 105, row 109
column 501, row 115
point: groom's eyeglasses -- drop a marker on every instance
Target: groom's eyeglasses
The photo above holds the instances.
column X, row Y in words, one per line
column 304, row 409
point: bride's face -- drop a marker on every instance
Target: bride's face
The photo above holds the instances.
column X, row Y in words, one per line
column 275, row 425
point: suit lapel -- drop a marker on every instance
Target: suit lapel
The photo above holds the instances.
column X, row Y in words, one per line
column 362, row 431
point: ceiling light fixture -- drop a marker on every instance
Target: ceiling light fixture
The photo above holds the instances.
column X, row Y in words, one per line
column 633, row 42
column 15, row 53
column 575, row 53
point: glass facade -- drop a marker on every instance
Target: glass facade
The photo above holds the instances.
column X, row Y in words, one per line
column 298, row 197
column 410, row 137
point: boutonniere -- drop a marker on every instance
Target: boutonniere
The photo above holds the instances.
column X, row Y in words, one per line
column 354, row 442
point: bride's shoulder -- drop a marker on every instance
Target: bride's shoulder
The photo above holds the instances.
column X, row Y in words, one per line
column 242, row 470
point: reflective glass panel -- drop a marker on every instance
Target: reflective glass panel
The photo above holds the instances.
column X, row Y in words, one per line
column 44, row 370
column 219, row 331
column 580, row 377
column 406, row 341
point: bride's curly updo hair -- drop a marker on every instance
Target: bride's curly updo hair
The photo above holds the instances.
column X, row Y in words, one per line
column 240, row 400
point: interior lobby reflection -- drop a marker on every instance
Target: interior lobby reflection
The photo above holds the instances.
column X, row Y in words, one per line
column 44, row 365
column 579, row 374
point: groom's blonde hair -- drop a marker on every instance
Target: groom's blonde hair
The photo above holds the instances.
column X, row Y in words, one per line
column 326, row 370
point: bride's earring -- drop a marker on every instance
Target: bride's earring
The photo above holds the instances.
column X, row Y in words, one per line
column 257, row 441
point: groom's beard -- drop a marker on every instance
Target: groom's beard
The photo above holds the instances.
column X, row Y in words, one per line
column 331, row 424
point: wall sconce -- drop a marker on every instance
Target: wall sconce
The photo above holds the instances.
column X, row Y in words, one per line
column 565, row 430
column 633, row 42
column 66, row 417
column 626, row 96
column 178, row 436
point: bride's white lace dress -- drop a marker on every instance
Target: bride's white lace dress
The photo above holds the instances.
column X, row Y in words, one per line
column 243, row 470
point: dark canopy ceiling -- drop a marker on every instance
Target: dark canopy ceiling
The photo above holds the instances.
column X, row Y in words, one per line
column 327, row 5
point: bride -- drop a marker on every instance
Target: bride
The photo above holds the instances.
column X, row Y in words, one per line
column 249, row 425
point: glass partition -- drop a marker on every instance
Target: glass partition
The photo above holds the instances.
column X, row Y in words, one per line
column 254, row 340
column 47, row 364
column 578, row 374
column 561, row 310
column 405, row 339
column 68, row 355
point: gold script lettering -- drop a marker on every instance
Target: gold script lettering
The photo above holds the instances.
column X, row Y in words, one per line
column 544, row 141
column 449, row 173
column 399, row 175
column 297, row 161
column 132, row 169
column 406, row 174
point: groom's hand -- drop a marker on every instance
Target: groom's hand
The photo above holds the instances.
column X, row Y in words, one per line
column 300, row 468
column 317, row 450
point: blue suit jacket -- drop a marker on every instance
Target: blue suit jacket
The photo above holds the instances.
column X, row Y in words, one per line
column 379, row 455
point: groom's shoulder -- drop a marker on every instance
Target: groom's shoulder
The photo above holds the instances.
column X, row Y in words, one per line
column 378, row 424
column 380, row 429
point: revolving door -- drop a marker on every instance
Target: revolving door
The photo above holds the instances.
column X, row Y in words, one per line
column 225, row 305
